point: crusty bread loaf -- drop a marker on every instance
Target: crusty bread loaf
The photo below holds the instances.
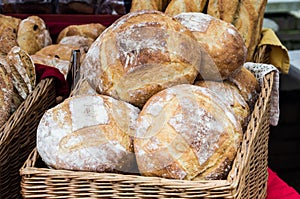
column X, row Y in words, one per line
column 247, row 84
column 222, row 42
column 231, row 96
column 247, row 16
column 22, row 70
column 176, row 7
column 10, row 21
column 59, row 51
column 81, row 42
column 90, row 133
column 91, row 30
column 140, row 54
column 6, row 93
column 33, row 34
column 186, row 132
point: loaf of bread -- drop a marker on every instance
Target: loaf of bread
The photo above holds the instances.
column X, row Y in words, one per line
column 81, row 42
column 186, row 132
column 247, row 84
column 33, row 34
column 88, row 133
column 22, row 70
column 8, row 32
column 90, row 30
column 59, row 51
column 222, row 42
column 231, row 96
column 6, row 93
column 140, row 54
column 247, row 16
column 176, row 7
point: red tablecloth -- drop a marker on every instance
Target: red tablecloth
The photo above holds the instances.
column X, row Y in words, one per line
column 278, row 189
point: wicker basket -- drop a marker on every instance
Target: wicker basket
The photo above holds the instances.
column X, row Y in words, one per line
column 18, row 136
column 247, row 179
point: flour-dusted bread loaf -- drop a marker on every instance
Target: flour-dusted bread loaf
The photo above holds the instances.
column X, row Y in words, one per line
column 186, row 132
column 140, row 54
column 81, row 42
column 247, row 84
column 90, row 133
column 231, row 96
column 22, row 70
column 247, row 16
column 6, row 94
column 176, row 7
column 33, row 34
column 90, row 30
column 222, row 42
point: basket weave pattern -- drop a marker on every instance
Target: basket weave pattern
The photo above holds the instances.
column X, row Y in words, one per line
column 247, row 178
column 18, row 136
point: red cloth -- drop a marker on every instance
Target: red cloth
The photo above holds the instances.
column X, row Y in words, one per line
column 61, row 84
column 278, row 189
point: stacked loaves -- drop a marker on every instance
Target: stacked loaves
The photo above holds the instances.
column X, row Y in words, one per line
column 247, row 15
column 27, row 42
column 156, row 98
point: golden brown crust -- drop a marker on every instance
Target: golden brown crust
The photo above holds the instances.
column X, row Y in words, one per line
column 247, row 84
column 176, row 7
column 90, row 133
column 159, row 5
column 186, row 132
column 59, row 51
column 10, row 21
column 231, row 96
column 247, row 16
column 33, row 34
column 222, row 42
column 140, row 54
column 91, row 30
column 8, row 38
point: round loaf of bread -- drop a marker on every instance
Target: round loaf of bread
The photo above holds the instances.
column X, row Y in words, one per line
column 33, row 34
column 186, row 132
column 90, row 30
column 140, row 54
column 220, row 39
column 231, row 96
column 88, row 133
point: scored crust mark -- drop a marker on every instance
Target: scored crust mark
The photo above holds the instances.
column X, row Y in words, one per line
column 189, row 129
column 6, row 94
column 22, row 70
